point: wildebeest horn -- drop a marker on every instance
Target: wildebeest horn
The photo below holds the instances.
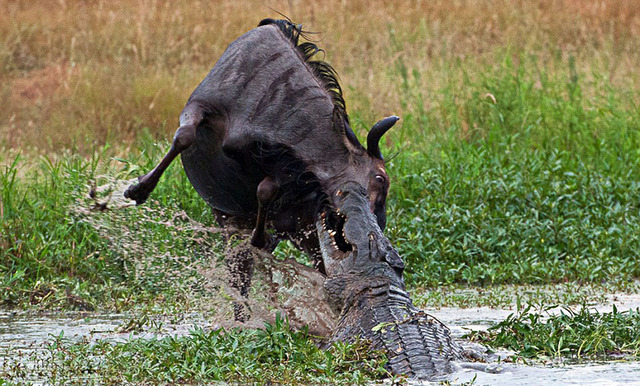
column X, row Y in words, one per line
column 376, row 132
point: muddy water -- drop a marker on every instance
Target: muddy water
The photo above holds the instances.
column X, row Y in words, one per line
column 616, row 373
column 23, row 334
column 24, row 331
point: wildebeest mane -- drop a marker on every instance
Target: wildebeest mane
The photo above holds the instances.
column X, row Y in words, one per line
column 322, row 70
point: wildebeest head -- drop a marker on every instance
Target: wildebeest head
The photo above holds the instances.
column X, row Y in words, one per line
column 363, row 171
column 368, row 168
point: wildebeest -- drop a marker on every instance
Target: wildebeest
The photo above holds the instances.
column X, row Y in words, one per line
column 265, row 139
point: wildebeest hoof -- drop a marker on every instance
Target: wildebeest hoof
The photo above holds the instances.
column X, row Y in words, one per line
column 241, row 312
column 138, row 193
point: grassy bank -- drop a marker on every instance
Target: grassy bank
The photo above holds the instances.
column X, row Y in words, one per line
column 544, row 190
column 494, row 211
column 516, row 162
column 58, row 249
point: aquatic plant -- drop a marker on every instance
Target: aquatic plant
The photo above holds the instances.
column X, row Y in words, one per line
column 582, row 334
column 273, row 354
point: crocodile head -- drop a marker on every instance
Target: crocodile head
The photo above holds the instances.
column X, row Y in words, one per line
column 353, row 246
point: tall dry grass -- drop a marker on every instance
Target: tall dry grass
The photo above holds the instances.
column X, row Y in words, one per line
column 86, row 72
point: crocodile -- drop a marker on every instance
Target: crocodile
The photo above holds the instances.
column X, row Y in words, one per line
column 365, row 287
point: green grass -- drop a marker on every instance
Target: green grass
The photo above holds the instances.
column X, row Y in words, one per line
column 275, row 354
column 505, row 296
column 542, row 187
column 59, row 250
column 582, row 334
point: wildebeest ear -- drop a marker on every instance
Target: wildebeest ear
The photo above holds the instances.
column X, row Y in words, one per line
column 376, row 132
column 342, row 124
column 351, row 136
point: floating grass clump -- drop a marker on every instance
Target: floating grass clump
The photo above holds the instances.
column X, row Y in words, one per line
column 582, row 334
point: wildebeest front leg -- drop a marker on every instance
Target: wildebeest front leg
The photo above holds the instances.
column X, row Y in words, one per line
column 240, row 262
column 266, row 193
column 184, row 137
column 240, row 266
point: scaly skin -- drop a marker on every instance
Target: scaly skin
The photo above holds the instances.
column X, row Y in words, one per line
column 417, row 344
column 366, row 288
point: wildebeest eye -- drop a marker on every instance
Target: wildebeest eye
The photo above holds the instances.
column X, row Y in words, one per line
column 380, row 179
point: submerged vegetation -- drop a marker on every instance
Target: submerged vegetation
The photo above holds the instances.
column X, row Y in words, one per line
column 517, row 163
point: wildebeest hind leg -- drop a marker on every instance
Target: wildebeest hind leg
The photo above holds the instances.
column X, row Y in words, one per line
column 184, row 137
column 240, row 262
